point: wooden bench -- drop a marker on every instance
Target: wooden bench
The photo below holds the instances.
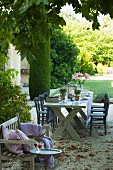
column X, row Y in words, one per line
column 6, row 155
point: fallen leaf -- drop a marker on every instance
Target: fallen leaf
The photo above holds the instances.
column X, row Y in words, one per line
column 65, row 154
column 107, row 150
column 72, row 148
column 61, row 158
column 91, row 154
column 60, row 147
column 78, row 157
column 83, row 150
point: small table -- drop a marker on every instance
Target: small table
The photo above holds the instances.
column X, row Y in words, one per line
column 46, row 154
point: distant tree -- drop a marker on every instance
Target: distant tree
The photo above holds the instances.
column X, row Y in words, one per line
column 95, row 45
column 63, row 57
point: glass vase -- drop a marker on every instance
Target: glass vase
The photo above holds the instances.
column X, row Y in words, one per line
column 80, row 86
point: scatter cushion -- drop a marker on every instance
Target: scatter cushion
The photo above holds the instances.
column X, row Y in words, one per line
column 10, row 134
column 22, row 136
column 31, row 129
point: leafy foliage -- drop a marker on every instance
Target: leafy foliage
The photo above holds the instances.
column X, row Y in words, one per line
column 20, row 22
column 12, row 100
column 63, row 57
column 26, row 25
column 95, row 46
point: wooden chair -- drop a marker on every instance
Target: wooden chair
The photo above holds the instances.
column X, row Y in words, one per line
column 42, row 114
column 106, row 96
column 99, row 115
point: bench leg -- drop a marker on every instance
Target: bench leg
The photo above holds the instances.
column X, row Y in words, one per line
column 32, row 163
column 0, row 157
column 0, row 164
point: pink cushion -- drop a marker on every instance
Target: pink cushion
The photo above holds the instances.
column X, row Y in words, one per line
column 10, row 134
column 22, row 136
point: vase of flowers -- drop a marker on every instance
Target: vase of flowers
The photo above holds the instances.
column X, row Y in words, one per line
column 80, row 78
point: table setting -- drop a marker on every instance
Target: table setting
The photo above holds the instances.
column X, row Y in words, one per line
column 72, row 106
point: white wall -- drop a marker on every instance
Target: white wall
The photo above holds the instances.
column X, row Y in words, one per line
column 14, row 62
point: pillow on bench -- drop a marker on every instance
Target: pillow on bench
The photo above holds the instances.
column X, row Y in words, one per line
column 31, row 129
column 10, row 134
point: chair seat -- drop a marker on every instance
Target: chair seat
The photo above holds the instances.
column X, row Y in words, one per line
column 45, row 108
column 43, row 112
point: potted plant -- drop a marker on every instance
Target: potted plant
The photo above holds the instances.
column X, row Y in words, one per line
column 62, row 93
column 77, row 94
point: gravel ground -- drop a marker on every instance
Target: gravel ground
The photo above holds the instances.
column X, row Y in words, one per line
column 90, row 153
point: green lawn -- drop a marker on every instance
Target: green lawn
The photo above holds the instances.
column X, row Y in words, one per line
column 99, row 87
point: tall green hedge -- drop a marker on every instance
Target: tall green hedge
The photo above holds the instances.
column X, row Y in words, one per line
column 39, row 81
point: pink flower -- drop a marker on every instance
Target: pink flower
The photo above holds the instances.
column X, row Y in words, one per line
column 75, row 76
column 87, row 76
column 80, row 77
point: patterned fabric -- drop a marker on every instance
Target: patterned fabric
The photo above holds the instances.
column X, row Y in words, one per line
column 49, row 144
column 10, row 134
column 31, row 129
column 22, row 136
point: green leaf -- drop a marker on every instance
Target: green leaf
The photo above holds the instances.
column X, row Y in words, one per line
column 45, row 2
column 26, row 5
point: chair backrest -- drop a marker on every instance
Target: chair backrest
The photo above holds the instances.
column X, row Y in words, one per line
column 106, row 96
column 106, row 105
column 46, row 94
column 39, row 101
column 37, row 104
column 42, row 101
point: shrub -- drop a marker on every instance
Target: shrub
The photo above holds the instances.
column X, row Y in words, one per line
column 99, row 68
column 63, row 57
column 87, row 66
column 12, row 100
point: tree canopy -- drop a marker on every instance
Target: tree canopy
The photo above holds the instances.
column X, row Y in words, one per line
column 95, row 45
column 19, row 18
column 23, row 23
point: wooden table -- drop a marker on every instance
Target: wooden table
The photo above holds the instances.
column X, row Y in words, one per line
column 73, row 107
